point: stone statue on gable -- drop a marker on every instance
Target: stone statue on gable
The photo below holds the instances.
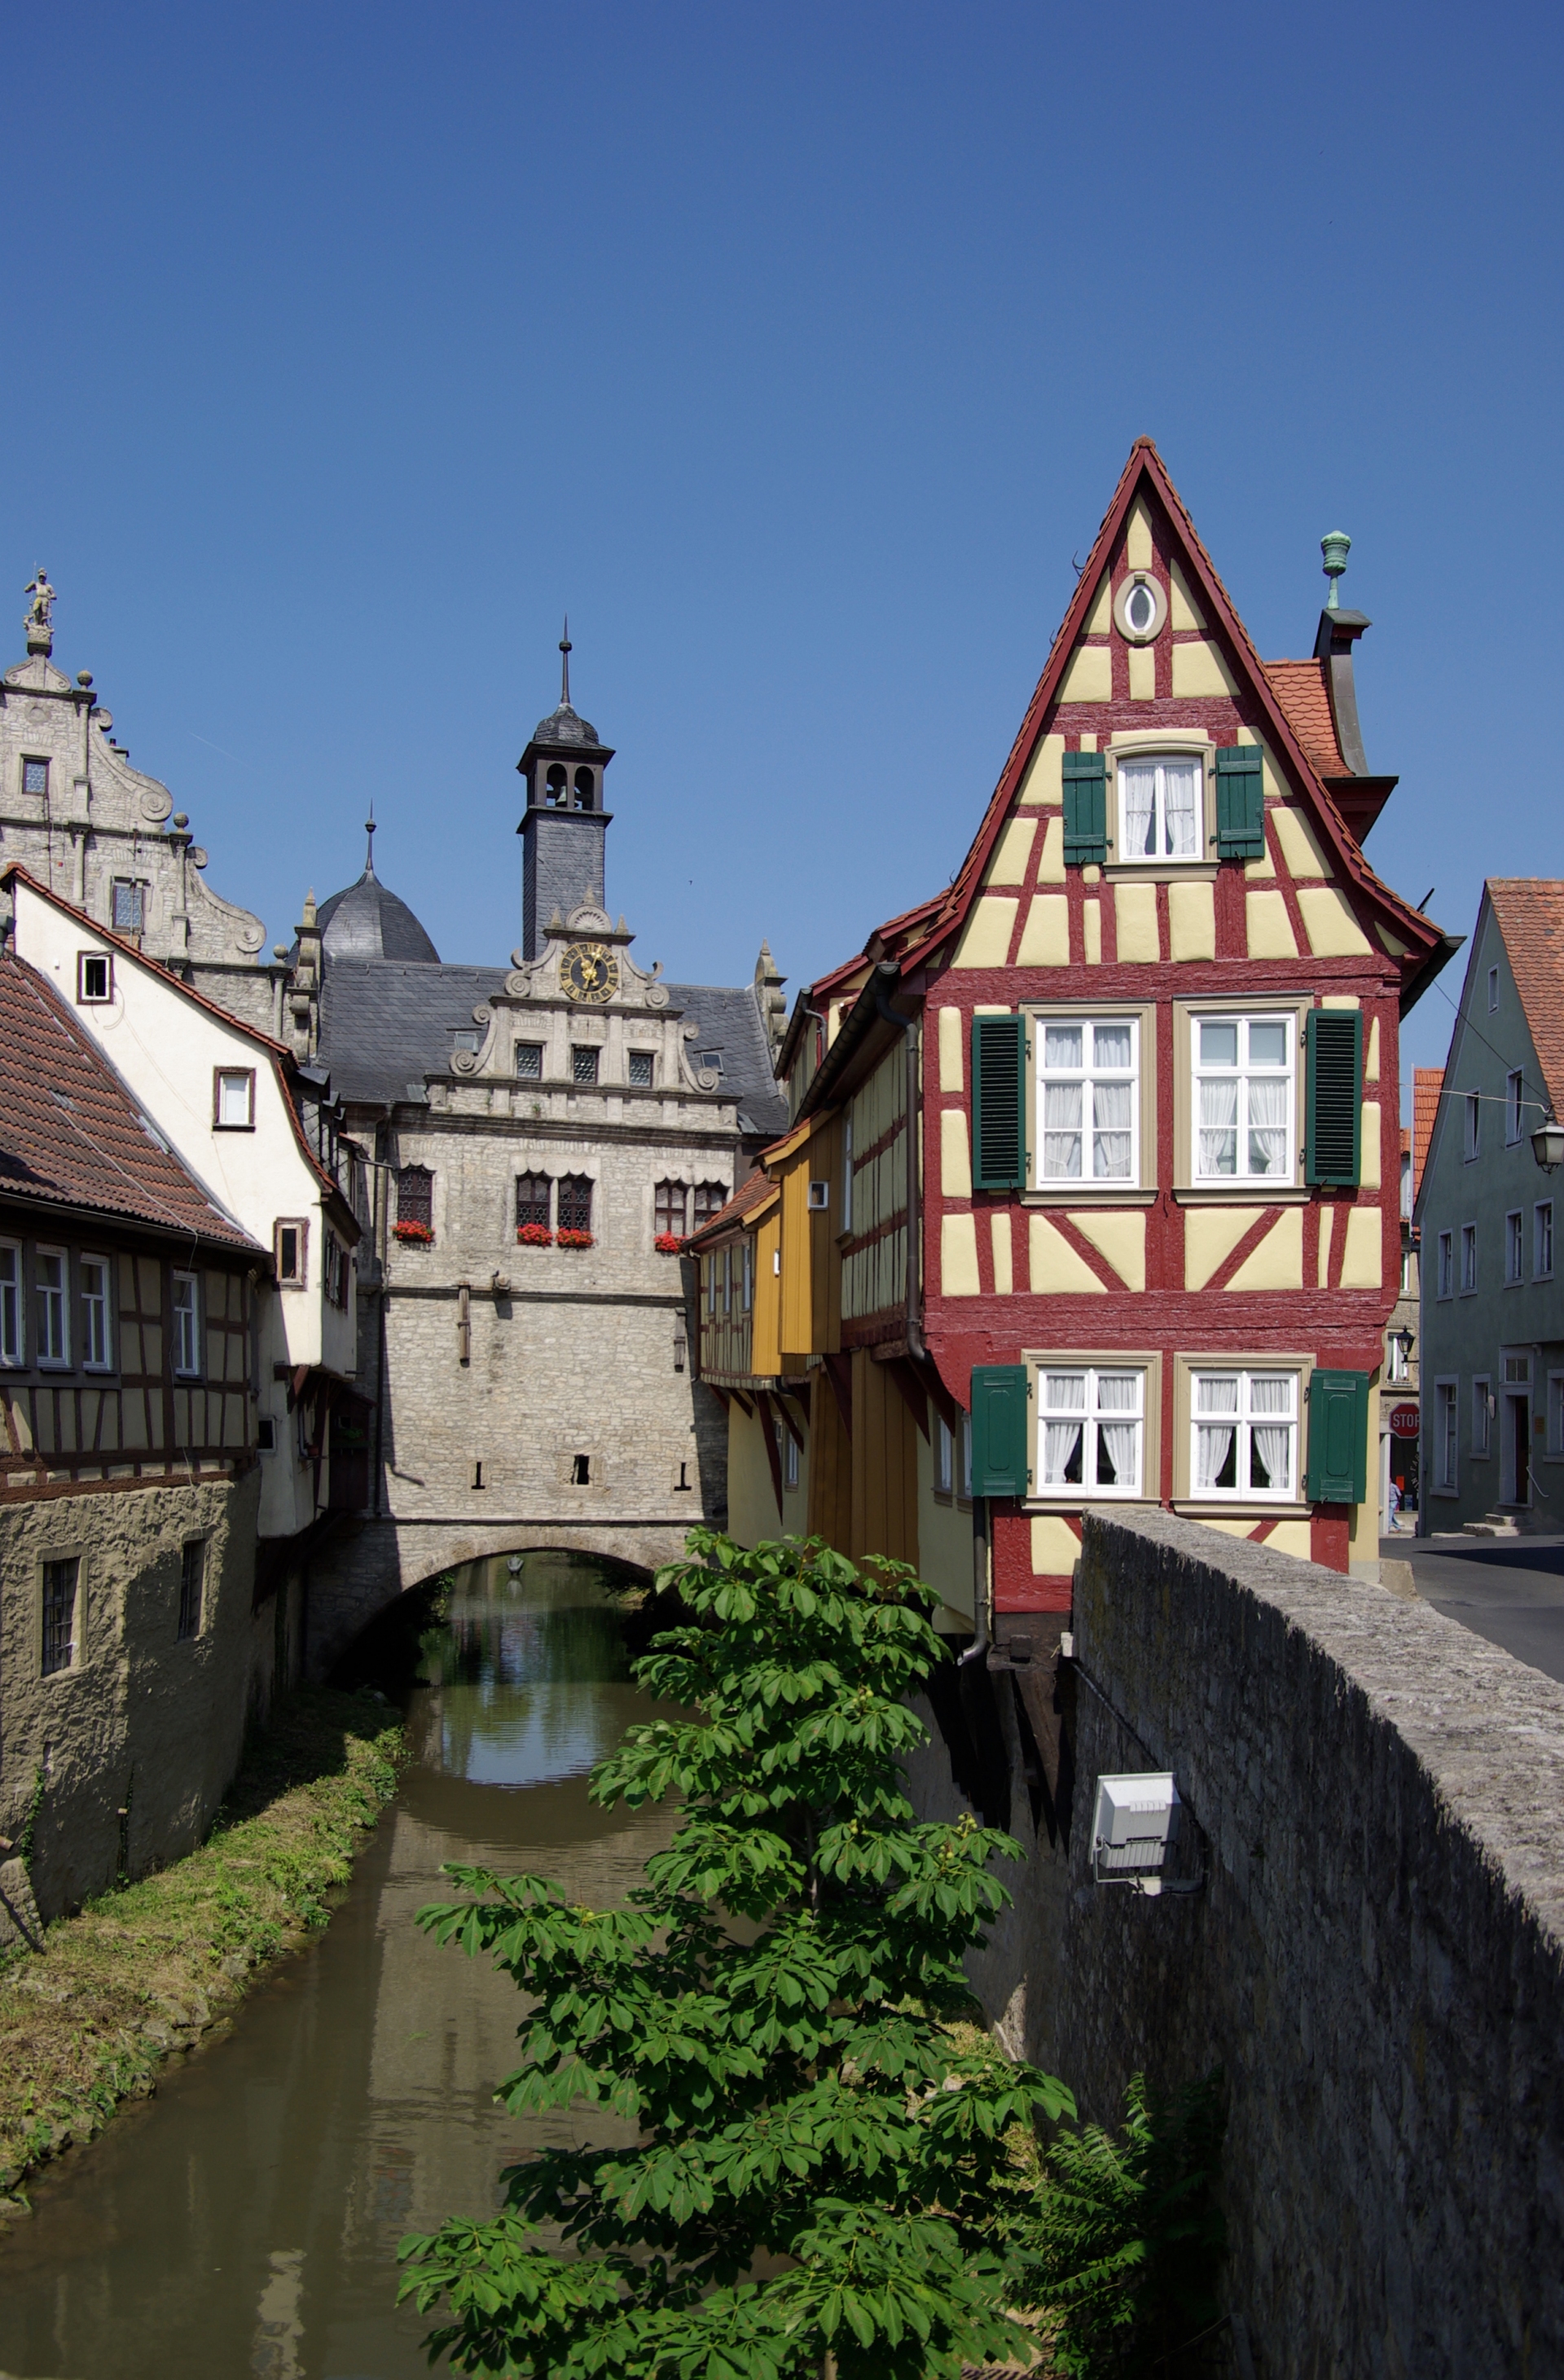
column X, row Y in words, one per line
column 39, row 620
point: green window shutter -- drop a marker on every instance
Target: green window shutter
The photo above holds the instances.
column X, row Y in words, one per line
column 998, row 1103
column 1001, row 1433
column 1333, row 1103
column 1338, row 1438
column 1241, row 803
column 1085, row 807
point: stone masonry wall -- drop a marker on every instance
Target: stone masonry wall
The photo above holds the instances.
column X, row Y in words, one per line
column 1377, row 1959
column 136, row 1741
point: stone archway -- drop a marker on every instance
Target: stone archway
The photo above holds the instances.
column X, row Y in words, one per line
column 360, row 1574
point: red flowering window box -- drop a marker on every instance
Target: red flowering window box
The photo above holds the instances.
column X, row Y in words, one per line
column 413, row 1235
column 573, row 1239
column 668, row 1244
column 534, row 1235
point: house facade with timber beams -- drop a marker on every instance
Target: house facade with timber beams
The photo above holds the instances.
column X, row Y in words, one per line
column 1091, row 1188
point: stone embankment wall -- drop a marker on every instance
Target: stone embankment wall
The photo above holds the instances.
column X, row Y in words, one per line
column 115, row 1762
column 1377, row 1957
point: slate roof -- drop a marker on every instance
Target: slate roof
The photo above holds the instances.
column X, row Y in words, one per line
column 366, row 921
column 71, row 1136
column 1529, row 911
column 1427, row 1082
column 1301, row 689
column 386, row 1024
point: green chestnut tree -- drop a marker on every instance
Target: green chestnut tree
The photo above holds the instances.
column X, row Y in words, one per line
column 821, row 2159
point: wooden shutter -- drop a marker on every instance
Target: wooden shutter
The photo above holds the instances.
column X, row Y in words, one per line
column 1000, row 1432
column 1333, row 1103
column 1241, row 803
column 1085, row 806
column 1338, row 1438
column 998, row 1103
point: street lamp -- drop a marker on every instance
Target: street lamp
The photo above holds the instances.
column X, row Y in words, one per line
column 1547, row 1146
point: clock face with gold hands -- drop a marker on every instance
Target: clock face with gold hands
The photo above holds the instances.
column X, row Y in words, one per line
column 591, row 973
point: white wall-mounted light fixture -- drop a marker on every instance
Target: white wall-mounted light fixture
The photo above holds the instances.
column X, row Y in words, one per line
column 1135, row 1827
column 1547, row 1146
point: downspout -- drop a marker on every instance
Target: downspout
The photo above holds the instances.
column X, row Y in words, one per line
column 887, row 973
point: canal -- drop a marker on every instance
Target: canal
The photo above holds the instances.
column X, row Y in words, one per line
column 245, row 2220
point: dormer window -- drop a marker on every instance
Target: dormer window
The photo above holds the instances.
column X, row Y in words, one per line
column 1159, row 803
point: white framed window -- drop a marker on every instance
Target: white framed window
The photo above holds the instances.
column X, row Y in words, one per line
column 1245, row 1098
column 11, row 1337
column 51, row 1286
column 1244, row 1435
column 1400, row 1370
column 944, row 1456
column 1482, row 1417
column 1556, row 1413
column 1542, row 1240
column 1088, row 1091
column 97, row 1341
column 1514, row 1245
column 1515, row 1106
column 1468, row 1258
column 1493, row 992
column 232, row 1098
column 1091, row 1431
column 1445, row 1426
column 1160, row 805
column 1446, row 1265
column 94, row 978
column 1473, row 1125
column 1406, row 1272
column 187, row 1327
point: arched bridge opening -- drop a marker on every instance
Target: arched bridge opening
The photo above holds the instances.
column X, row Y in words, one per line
column 391, row 1563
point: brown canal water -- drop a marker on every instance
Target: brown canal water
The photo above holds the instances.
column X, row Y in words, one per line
column 244, row 2221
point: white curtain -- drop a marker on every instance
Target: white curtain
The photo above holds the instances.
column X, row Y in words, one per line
column 1267, row 1127
column 1062, row 1132
column 1112, row 1116
column 1180, row 804
column 1118, row 1442
column 1219, row 1127
column 1270, row 1453
column 1212, row 1448
column 1137, row 802
column 1061, row 1453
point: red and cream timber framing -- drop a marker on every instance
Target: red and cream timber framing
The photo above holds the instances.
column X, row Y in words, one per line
column 1155, row 1020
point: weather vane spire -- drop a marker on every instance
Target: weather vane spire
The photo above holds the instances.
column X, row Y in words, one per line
column 564, row 666
column 369, row 847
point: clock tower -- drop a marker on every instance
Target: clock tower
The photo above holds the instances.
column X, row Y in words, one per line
column 564, row 822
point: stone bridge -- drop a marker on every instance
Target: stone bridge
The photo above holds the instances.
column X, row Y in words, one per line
column 357, row 1574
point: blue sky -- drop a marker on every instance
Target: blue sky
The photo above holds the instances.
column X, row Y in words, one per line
column 796, row 350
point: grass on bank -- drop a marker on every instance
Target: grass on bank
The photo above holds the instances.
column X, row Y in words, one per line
column 143, row 1972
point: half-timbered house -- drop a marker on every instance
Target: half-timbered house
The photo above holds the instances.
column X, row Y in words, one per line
column 1091, row 1192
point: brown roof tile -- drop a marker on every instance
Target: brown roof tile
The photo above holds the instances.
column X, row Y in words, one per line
column 1304, row 695
column 1427, row 1082
column 748, row 1196
column 71, row 1136
column 1530, row 910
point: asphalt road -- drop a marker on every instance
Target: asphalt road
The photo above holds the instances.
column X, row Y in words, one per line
column 1508, row 1589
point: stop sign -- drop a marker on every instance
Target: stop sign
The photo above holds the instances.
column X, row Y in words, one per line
column 1403, row 1421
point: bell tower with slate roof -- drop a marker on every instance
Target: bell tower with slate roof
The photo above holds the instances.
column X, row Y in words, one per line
column 565, row 823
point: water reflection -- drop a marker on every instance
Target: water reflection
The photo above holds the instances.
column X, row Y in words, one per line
column 246, row 2220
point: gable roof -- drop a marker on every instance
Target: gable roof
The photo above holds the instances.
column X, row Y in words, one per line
column 1427, row 1083
column 282, row 1058
column 72, row 1139
column 1428, row 949
column 1530, row 914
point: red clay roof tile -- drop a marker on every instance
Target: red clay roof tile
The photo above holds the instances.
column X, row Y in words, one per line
column 1427, row 1082
column 1302, row 690
column 1530, row 910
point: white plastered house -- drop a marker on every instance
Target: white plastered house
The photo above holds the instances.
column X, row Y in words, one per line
column 234, row 1106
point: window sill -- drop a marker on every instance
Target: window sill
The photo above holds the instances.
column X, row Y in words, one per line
column 1162, row 871
column 1241, row 1508
column 233, row 1128
column 1077, row 1501
column 1089, row 1194
column 1244, row 1193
